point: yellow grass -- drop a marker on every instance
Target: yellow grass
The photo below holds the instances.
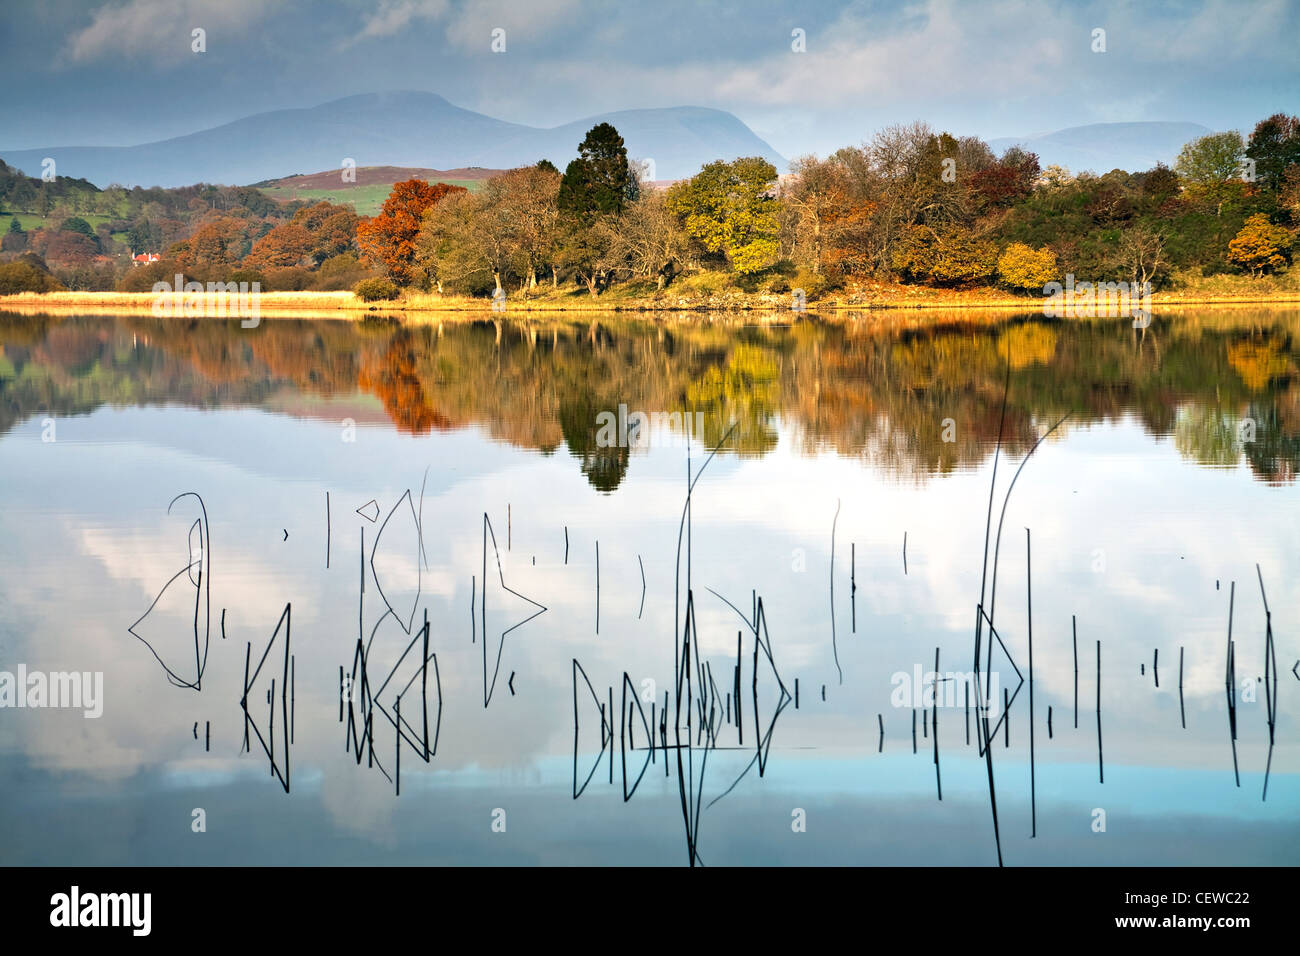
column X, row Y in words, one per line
column 757, row 307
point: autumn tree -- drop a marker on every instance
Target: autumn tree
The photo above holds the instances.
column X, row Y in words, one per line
column 730, row 208
column 647, row 240
column 1006, row 181
column 951, row 256
column 526, row 202
column 465, row 240
column 818, row 189
column 314, row 234
column 220, row 241
column 1289, row 196
column 829, row 219
column 332, row 227
column 69, row 248
column 388, row 239
column 285, row 245
column 1022, row 267
column 1260, row 246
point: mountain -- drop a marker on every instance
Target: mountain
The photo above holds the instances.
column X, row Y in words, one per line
column 396, row 129
column 1101, row 147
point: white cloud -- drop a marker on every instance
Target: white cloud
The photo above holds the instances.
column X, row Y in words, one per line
column 158, row 29
column 471, row 29
column 393, row 16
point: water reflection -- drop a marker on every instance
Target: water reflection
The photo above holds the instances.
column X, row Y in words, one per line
column 916, row 401
column 716, row 662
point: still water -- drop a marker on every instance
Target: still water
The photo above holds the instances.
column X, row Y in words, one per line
column 436, row 594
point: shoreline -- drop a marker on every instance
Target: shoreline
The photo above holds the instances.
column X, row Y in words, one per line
column 346, row 305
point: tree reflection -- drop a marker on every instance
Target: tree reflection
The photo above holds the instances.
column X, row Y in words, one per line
column 915, row 398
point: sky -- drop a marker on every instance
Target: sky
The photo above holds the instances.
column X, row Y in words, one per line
column 88, row 560
column 124, row 72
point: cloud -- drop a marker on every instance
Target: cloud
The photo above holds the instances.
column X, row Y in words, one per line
column 471, row 29
column 157, row 29
column 1214, row 32
column 393, row 16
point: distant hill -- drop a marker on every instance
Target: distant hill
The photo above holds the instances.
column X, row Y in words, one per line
column 332, row 179
column 398, row 129
column 1101, row 147
column 371, row 186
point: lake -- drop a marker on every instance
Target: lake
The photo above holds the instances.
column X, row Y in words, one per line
column 523, row 643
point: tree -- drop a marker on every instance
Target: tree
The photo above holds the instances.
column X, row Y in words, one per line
column 1275, row 145
column 730, row 208
column 23, row 276
column 465, row 238
column 598, row 183
column 1142, row 253
column 15, row 240
column 647, row 240
column 526, row 200
column 143, row 236
column 1159, row 183
column 1289, row 197
column 77, row 224
column 70, row 248
column 818, row 189
column 919, row 178
column 1054, row 178
column 1008, row 180
column 1260, row 246
column 285, row 245
column 1022, row 267
column 830, row 222
column 217, row 242
column 333, row 229
column 314, row 234
column 953, row 256
column 388, row 239
column 1211, row 166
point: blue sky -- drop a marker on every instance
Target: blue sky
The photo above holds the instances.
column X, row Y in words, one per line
column 122, row 72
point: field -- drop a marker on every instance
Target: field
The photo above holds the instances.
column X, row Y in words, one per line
column 30, row 221
column 372, row 186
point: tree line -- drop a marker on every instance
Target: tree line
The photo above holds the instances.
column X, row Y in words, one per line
column 911, row 206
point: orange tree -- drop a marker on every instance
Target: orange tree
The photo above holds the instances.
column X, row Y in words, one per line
column 388, row 239
column 1260, row 245
column 285, row 245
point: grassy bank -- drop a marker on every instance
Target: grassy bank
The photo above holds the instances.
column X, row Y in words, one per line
column 1227, row 290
